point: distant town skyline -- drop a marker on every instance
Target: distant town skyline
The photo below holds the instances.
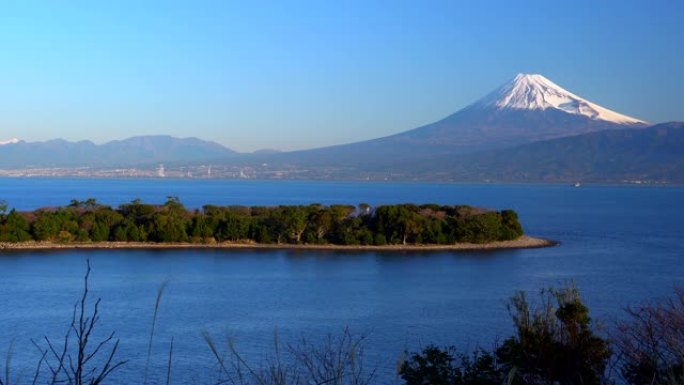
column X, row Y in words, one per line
column 303, row 74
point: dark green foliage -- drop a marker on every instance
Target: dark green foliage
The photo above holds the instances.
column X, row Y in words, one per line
column 89, row 221
column 137, row 210
column 320, row 224
column 127, row 230
column 398, row 223
column 15, row 228
column 511, row 228
column 437, row 366
column 482, row 228
column 202, row 228
column 170, row 222
column 379, row 240
column 104, row 220
column 46, row 226
column 432, row 366
column 232, row 227
column 291, row 222
column 555, row 343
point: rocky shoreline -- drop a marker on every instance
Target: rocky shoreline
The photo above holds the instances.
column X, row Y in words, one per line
column 523, row 242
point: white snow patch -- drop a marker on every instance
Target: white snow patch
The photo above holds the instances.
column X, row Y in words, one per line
column 11, row 141
column 533, row 91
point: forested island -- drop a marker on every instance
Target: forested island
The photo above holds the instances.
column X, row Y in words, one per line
column 89, row 222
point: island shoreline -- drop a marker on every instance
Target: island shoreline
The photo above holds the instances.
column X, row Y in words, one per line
column 523, row 242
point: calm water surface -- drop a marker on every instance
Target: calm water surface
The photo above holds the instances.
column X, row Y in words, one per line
column 621, row 244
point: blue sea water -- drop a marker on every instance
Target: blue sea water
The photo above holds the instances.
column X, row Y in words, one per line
column 620, row 244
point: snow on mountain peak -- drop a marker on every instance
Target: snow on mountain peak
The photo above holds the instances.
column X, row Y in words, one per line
column 535, row 92
column 11, row 141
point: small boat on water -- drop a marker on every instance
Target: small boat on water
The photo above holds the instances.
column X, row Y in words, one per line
column 577, row 184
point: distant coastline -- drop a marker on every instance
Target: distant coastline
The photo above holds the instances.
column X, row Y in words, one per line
column 523, row 242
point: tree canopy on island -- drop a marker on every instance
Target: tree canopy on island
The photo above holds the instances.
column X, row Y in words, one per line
column 400, row 224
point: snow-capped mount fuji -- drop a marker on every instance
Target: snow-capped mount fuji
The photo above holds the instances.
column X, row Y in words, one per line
column 529, row 108
column 535, row 92
column 10, row 141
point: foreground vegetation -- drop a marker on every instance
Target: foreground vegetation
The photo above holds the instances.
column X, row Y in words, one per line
column 89, row 221
column 557, row 343
column 554, row 342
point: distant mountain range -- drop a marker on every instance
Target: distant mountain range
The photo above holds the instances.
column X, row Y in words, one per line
column 136, row 151
column 528, row 130
column 653, row 154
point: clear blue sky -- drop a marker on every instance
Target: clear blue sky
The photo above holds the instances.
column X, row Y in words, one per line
column 300, row 74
